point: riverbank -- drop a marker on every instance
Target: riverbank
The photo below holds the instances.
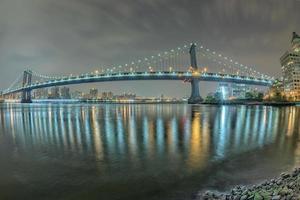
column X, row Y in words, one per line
column 286, row 187
column 264, row 103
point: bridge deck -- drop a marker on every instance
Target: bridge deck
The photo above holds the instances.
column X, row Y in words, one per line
column 165, row 75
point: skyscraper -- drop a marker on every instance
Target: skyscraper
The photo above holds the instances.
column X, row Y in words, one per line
column 239, row 90
column 41, row 93
column 224, row 90
column 65, row 93
column 54, row 93
column 93, row 93
column 290, row 62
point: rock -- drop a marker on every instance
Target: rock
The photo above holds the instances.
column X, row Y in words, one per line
column 276, row 197
column 237, row 197
column 279, row 182
column 275, row 193
column 284, row 191
column 284, row 175
column 244, row 197
column 286, row 187
column 273, row 181
column 258, row 197
column 291, row 184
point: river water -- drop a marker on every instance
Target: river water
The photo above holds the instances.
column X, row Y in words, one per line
column 133, row 152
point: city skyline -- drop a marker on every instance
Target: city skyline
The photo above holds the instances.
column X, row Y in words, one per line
column 88, row 46
column 150, row 100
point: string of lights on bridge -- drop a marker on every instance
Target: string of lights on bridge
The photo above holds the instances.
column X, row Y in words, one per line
column 176, row 59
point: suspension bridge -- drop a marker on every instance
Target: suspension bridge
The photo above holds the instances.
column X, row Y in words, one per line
column 175, row 64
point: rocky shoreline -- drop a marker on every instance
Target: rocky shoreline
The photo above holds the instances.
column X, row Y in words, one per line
column 285, row 187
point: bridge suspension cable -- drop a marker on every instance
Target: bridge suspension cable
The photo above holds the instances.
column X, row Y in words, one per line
column 177, row 59
column 230, row 63
column 16, row 81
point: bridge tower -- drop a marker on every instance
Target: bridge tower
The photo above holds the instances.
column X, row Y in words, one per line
column 195, row 95
column 26, row 93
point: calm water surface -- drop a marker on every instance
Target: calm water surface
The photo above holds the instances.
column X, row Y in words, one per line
column 151, row 152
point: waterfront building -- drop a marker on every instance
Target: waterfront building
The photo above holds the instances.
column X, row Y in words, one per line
column 65, row 93
column 125, row 96
column 276, row 91
column 40, row 93
column 290, row 62
column 54, row 93
column 239, row 90
column 107, row 95
column 76, row 95
column 94, row 93
column 224, row 90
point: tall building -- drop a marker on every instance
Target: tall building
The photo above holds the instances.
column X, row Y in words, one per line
column 239, row 90
column 224, row 90
column 290, row 62
column 107, row 95
column 94, row 93
column 76, row 95
column 54, row 93
column 65, row 93
column 40, row 93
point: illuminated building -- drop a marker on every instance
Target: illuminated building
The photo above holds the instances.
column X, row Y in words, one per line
column 239, row 90
column 224, row 90
column 54, row 93
column 40, row 94
column 107, row 95
column 290, row 62
column 76, row 95
column 276, row 91
column 93, row 93
column 65, row 93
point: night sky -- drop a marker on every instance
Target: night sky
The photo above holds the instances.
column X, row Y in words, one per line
column 77, row 36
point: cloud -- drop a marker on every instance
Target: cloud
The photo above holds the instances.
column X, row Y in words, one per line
column 75, row 36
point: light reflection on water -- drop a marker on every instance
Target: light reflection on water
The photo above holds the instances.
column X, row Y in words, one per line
column 138, row 151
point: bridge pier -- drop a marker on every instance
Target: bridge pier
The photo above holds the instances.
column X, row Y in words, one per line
column 26, row 94
column 195, row 94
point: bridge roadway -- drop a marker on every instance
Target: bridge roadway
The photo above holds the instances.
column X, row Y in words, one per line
column 133, row 76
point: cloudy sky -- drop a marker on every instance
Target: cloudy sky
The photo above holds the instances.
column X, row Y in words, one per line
column 76, row 36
